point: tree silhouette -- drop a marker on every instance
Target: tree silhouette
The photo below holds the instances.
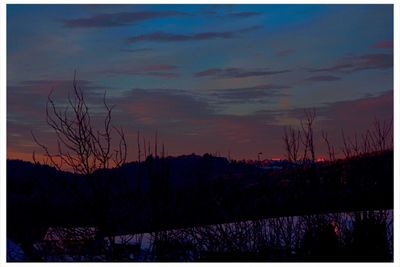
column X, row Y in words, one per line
column 291, row 138
column 378, row 138
column 331, row 148
column 80, row 146
column 308, row 134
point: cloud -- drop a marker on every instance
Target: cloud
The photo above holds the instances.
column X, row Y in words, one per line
column 159, row 67
column 350, row 114
column 351, row 64
column 230, row 15
column 157, row 70
column 107, row 20
column 367, row 108
column 162, row 106
column 383, row 44
column 323, row 78
column 218, row 73
column 136, row 50
column 26, row 110
column 41, row 88
column 26, row 101
column 188, row 123
column 174, row 37
column 243, row 14
column 284, row 52
column 243, row 94
column 356, row 116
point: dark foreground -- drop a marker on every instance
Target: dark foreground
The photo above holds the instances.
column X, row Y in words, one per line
column 221, row 209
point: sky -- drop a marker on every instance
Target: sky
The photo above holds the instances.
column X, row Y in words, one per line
column 220, row 79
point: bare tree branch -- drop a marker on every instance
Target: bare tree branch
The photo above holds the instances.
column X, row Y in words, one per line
column 80, row 146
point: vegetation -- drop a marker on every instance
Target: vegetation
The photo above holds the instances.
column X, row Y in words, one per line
column 81, row 147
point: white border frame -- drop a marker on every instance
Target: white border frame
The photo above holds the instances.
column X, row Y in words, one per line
column 3, row 110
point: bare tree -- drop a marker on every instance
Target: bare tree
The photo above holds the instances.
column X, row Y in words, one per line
column 155, row 145
column 366, row 142
column 381, row 137
column 83, row 147
column 346, row 149
column 144, row 148
column 331, row 149
column 149, row 148
column 308, row 134
column 138, row 145
column 80, row 146
column 377, row 139
column 351, row 146
column 291, row 139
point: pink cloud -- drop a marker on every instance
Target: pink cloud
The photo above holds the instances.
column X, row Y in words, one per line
column 284, row 52
column 350, row 64
column 156, row 70
column 383, row 44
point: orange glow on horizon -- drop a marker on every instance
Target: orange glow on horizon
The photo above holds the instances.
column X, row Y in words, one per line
column 25, row 156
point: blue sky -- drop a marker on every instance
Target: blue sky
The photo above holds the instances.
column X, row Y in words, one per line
column 209, row 78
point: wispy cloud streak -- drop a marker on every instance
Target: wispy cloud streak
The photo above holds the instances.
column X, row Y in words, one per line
column 118, row 19
column 384, row 44
column 219, row 73
column 323, row 78
column 244, row 94
column 175, row 37
column 351, row 64
column 158, row 70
